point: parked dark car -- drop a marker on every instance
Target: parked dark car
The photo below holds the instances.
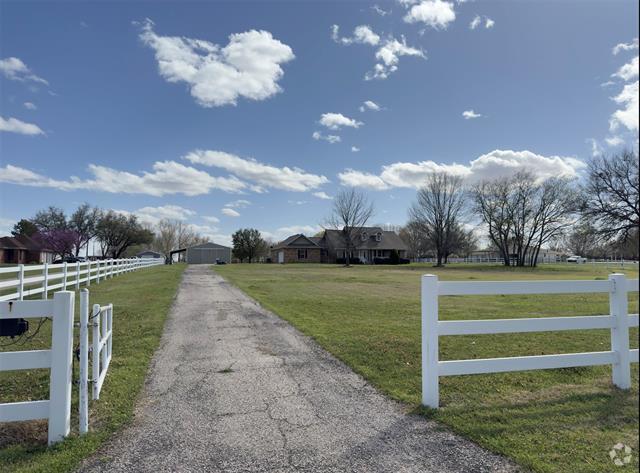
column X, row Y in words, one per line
column 219, row 261
column 69, row 259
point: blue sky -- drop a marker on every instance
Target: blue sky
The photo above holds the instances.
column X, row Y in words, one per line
column 178, row 109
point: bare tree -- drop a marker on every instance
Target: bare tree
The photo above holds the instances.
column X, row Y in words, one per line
column 415, row 239
column 610, row 195
column 351, row 212
column 84, row 221
column 523, row 214
column 492, row 204
column 165, row 239
column 437, row 211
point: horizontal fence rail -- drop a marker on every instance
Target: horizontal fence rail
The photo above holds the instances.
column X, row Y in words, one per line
column 618, row 321
column 57, row 409
column 31, row 280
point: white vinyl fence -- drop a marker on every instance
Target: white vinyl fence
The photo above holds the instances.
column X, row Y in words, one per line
column 40, row 279
column 618, row 321
column 57, row 409
column 100, row 320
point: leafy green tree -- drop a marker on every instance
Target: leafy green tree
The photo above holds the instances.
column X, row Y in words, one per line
column 117, row 232
column 248, row 244
column 24, row 227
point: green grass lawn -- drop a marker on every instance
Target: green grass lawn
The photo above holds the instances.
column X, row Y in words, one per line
column 563, row 420
column 141, row 302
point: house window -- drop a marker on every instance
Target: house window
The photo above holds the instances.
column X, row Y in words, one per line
column 378, row 236
column 364, row 236
column 302, row 253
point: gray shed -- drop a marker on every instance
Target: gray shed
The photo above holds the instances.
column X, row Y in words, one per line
column 208, row 253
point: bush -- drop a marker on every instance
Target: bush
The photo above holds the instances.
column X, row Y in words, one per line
column 355, row 260
column 391, row 261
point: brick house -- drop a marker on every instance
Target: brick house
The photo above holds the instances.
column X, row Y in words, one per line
column 22, row 249
column 370, row 243
column 297, row 249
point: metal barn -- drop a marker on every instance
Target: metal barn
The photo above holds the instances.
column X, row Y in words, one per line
column 207, row 253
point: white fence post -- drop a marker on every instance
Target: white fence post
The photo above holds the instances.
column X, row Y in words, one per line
column 78, row 276
column 21, row 282
column 64, row 277
column 45, row 283
column 98, row 275
column 61, row 366
column 88, row 273
column 618, row 306
column 429, row 300
column 95, row 354
column 83, row 403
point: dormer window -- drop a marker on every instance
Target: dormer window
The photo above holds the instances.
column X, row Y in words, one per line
column 378, row 236
column 364, row 236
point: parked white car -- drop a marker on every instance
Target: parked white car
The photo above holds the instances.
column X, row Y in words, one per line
column 576, row 259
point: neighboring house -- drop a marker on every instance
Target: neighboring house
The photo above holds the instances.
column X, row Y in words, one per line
column 149, row 254
column 297, row 249
column 22, row 249
column 205, row 253
column 370, row 243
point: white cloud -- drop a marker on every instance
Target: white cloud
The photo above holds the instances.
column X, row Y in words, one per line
column 30, row 106
column 264, row 175
column 14, row 69
column 625, row 46
column 284, row 232
column 210, row 219
column 629, row 71
column 335, row 121
column 614, row 140
column 477, row 21
column 388, row 53
column 497, row 163
column 353, row 178
column 13, row 125
column 380, row 11
column 355, row 149
column 248, row 66
column 229, row 212
column 434, row 13
column 238, row 204
column 628, row 115
column 370, row 105
column 330, row 138
column 166, row 177
column 388, row 57
column 153, row 215
column 470, row 114
column 362, row 34
column 596, row 149
column 322, row 195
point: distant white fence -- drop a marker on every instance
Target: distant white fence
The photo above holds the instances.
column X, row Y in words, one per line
column 618, row 321
column 42, row 278
column 100, row 321
column 57, row 409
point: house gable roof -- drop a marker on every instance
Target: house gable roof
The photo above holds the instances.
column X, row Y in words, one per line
column 388, row 240
column 296, row 241
column 22, row 242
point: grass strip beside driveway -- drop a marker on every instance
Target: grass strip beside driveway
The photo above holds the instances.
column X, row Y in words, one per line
column 141, row 300
column 563, row 420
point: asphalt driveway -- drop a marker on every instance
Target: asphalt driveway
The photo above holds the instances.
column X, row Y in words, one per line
column 234, row 388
